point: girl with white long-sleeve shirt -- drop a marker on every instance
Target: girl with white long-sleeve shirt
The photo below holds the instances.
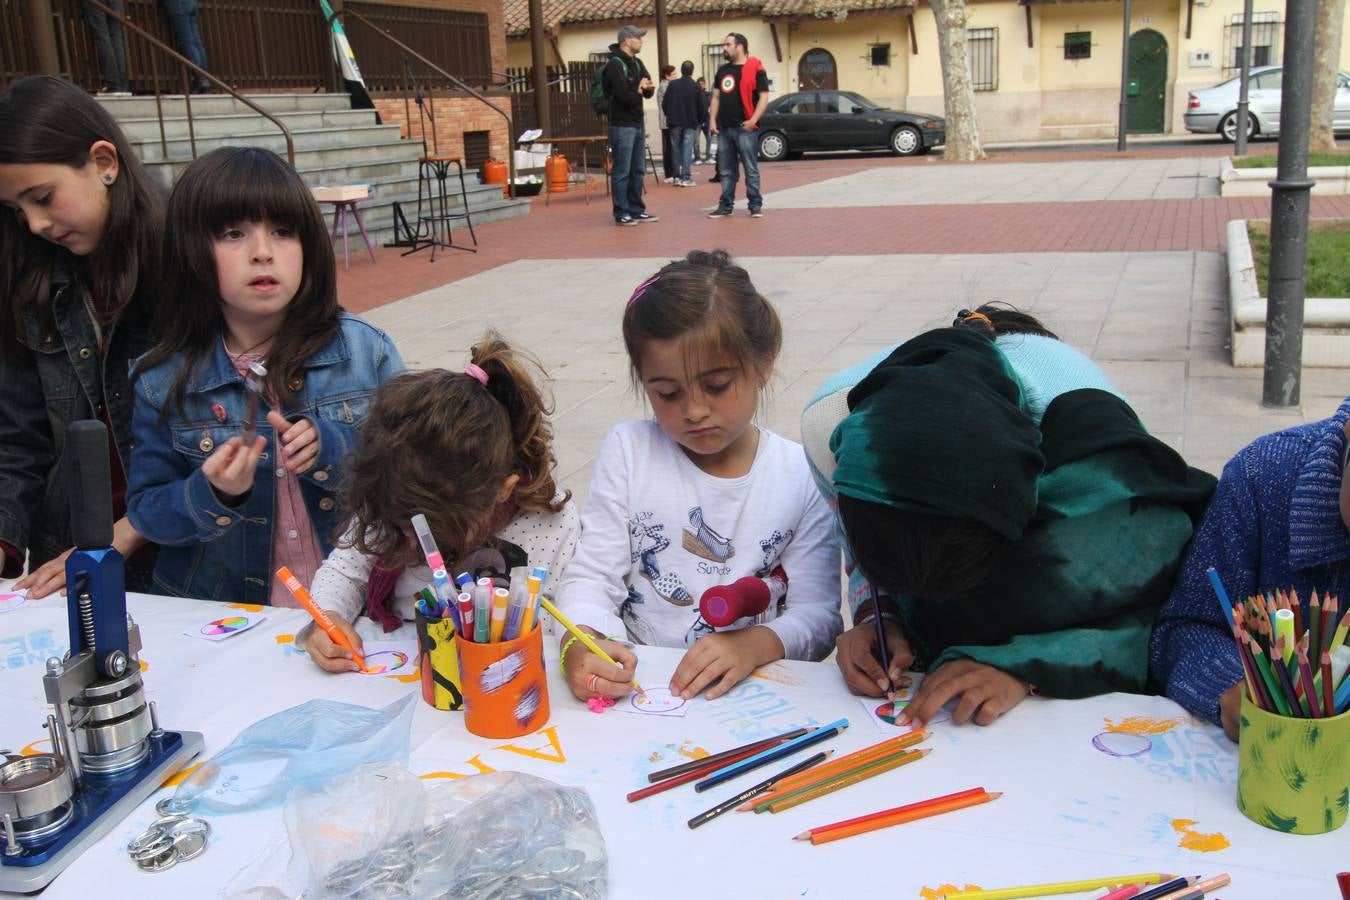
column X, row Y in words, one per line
column 698, row 496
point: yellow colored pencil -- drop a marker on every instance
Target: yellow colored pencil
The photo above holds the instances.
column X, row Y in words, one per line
column 862, row 773
column 1061, row 887
column 586, row 640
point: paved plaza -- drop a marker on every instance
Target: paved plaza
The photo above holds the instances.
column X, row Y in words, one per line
column 556, row 281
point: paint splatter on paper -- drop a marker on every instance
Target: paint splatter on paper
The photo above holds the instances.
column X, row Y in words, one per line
column 1195, row 840
column 1141, row 725
column 943, row 889
column 656, row 702
column 775, row 672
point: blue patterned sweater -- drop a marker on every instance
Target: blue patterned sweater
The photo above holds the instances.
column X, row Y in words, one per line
column 1275, row 522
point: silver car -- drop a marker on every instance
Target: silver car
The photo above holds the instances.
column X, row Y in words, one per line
column 1214, row 109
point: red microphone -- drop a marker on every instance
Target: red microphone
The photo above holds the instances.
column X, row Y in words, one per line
column 723, row 604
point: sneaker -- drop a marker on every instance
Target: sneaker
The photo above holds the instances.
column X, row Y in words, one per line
column 625, row 220
column 646, row 217
column 720, row 213
column 756, row 213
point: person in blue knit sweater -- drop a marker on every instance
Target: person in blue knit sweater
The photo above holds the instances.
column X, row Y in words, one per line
column 1278, row 519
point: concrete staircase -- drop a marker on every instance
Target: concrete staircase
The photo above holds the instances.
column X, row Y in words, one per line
column 334, row 145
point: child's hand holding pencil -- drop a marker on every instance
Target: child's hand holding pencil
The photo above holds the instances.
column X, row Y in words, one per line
column 589, row 675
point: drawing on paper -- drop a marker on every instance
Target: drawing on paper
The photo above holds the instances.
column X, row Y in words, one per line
column 1195, row 840
column 1132, row 735
column 656, row 702
column 12, row 600
column 226, row 626
column 385, row 662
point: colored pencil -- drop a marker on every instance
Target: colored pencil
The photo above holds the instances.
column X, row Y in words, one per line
column 663, row 774
column 1249, row 669
column 1286, row 684
column 726, row 773
column 881, row 814
column 820, row 777
column 848, row 779
column 1272, row 683
column 1061, row 887
column 1330, row 611
column 1167, row 887
column 1343, row 697
column 691, row 775
column 1306, row 681
column 1328, row 695
column 1221, row 594
column 897, row 816
column 585, row 638
column 1198, row 890
column 852, row 760
column 1342, row 630
column 1126, row 893
column 766, row 784
column 1314, row 633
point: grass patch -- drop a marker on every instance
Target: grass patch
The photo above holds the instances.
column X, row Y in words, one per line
column 1328, row 257
column 1314, row 159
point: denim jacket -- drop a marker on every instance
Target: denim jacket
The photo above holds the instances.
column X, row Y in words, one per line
column 212, row 551
column 52, row 373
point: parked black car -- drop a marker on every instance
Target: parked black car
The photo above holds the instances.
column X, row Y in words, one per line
column 843, row 120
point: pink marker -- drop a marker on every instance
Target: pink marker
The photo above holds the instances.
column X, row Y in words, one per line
column 428, row 542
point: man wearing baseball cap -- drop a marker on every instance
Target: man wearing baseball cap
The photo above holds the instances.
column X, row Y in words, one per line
column 627, row 82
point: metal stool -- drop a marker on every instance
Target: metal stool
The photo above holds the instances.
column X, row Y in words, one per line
column 438, row 219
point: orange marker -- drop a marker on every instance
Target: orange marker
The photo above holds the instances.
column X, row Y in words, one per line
column 300, row 594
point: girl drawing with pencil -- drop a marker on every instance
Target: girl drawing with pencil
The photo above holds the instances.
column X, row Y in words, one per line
column 249, row 270
column 472, row 451
column 1020, row 525
column 1280, row 519
column 697, row 496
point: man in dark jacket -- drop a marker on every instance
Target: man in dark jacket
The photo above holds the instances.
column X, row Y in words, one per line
column 627, row 82
column 681, row 106
column 704, row 99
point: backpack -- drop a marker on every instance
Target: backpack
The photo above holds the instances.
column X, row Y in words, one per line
column 599, row 95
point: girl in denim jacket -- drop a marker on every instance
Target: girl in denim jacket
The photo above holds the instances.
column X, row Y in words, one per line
column 80, row 234
column 251, row 275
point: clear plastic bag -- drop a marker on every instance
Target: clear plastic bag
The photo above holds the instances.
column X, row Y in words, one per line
column 381, row 832
column 305, row 746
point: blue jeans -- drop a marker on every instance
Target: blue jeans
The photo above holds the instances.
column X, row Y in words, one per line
column 182, row 16
column 108, row 39
column 709, row 145
column 737, row 144
column 682, row 146
column 627, row 147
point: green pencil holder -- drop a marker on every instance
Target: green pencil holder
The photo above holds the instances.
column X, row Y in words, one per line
column 1293, row 774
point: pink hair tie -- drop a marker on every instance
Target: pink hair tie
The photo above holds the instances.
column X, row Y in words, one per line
column 475, row 371
column 642, row 289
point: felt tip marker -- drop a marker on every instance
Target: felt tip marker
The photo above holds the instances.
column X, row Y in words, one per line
column 320, row 617
column 463, row 580
column 465, row 601
column 533, row 584
column 501, row 599
column 482, row 610
column 428, row 542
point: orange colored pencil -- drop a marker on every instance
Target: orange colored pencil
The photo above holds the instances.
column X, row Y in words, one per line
column 872, row 817
column 844, row 764
column 896, row 816
column 830, row 785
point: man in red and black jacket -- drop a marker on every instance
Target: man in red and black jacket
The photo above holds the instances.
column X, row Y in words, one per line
column 739, row 97
column 627, row 82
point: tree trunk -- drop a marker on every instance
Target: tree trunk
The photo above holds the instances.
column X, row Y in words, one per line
column 958, row 94
column 1326, row 71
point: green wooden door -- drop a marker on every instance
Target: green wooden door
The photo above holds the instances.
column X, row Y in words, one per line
column 1146, row 86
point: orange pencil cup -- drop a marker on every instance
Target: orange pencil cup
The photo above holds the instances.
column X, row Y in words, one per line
column 505, row 689
column 439, row 662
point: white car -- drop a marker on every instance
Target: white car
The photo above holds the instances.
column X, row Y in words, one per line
column 1214, row 109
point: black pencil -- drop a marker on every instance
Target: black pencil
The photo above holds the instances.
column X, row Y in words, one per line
column 881, row 642
column 732, row 802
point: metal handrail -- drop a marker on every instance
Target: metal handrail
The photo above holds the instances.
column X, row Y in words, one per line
column 510, row 157
column 187, row 94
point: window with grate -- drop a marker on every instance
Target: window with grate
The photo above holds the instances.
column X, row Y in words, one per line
column 881, row 54
column 712, row 61
column 477, row 146
column 982, row 46
column 600, row 57
column 1267, row 40
column 1078, row 45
